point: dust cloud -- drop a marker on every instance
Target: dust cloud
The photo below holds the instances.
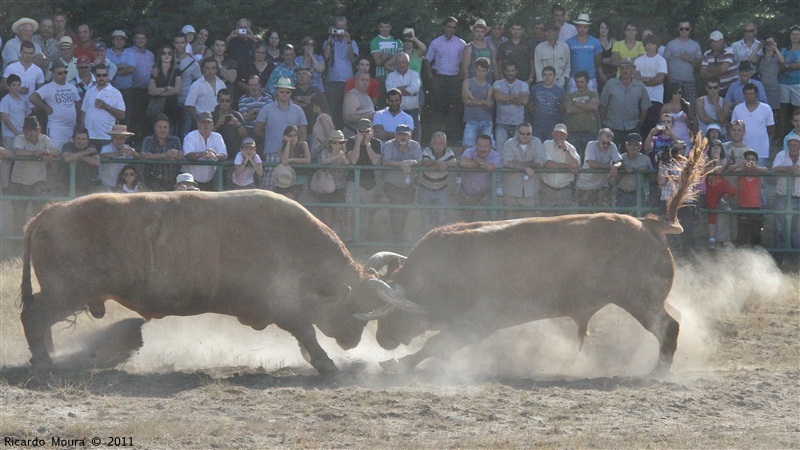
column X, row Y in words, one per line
column 713, row 285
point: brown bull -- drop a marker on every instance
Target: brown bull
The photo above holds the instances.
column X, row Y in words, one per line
column 476, row 278
column 253, row 255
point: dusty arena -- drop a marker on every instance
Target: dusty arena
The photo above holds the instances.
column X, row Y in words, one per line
column 209, row 382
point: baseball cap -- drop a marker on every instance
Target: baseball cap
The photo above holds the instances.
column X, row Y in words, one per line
column 634, row 137
column 99, row 45
column 560, row 127
column 203, row 116
column 119, row 33
column 402, row 128
column 83, row 62
column 248, row 141
column 364, row 124
column 188, row 29
column 716, row 36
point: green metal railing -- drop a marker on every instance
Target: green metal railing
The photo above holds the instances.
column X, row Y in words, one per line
column 494, row 206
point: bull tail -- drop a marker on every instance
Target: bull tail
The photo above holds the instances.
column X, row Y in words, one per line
column 693, row 170
column 26, row 290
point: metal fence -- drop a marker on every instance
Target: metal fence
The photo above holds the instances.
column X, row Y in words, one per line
column 495, row 207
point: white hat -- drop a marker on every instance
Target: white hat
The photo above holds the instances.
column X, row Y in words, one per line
column 284, row 82
column 716, row 36
column 24, row 21
column 185, row 178
column 560, row 127
column 119, row 33
column 188, row 29
column 583, row 19
column 284, row 176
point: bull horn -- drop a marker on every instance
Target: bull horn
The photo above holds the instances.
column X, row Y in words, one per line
column 382, row 259
column 372, row 315
column 395, row 297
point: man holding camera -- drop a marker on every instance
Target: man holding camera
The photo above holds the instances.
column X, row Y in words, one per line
column 241, row 43
column 339, row 51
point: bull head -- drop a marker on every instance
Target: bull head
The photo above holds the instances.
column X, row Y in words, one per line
column 395, row 298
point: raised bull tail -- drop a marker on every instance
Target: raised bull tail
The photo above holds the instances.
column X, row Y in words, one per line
column 692, row 171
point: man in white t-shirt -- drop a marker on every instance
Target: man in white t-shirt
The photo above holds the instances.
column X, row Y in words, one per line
column 30, row 75
column 101, row 107
column 61, row 101
column 758, row 121
column 651, row 69
column 204, row 144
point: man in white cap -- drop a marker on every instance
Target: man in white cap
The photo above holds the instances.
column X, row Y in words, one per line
column 30, row 75
column 271, row 122
column 204, row 144
column 102, row 106
column 66, row 53
column 556, row 188
column 61, row 102
column 787, row 162
column 585, row 54
column 24, row 29
column 720, row 62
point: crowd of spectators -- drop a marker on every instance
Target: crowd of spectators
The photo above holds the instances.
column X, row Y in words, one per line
column 522, row 95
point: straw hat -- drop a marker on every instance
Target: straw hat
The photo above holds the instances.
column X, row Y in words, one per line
column 284, row 176
column 120, row 130
column 24, row 21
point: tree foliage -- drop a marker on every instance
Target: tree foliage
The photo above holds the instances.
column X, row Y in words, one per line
column 295, row 19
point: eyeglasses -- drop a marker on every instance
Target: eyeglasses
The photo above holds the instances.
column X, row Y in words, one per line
column 749, row 31
column 713, row 87
column 523, row 133
column 685, row 29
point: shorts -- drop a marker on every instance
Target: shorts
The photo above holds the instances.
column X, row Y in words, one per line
column 790, row 93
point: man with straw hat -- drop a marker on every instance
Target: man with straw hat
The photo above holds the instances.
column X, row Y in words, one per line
column 24, row 29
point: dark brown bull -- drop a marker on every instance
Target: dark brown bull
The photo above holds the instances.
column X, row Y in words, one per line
column 476, row 278
column 253, row 255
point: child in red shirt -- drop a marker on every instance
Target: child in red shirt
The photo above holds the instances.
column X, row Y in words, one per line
column 749, row 198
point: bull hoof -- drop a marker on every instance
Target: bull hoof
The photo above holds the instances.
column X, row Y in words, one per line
column 661, row 371
column 41, row 362
column 326, row 368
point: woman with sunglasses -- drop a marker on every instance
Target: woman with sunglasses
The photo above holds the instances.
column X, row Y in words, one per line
column 129, row 181
column 681, row 112
column 165, row 85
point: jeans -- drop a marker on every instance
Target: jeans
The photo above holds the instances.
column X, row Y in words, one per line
column 780, row 222
column 334, row 94
column 473, row 129
column 433, row 217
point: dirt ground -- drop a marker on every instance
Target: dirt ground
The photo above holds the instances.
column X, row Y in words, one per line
column 208, row 382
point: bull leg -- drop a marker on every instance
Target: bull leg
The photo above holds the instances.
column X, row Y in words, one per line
column 442, row 344
column 38, row 317
column 307, row 338
column 665, row 329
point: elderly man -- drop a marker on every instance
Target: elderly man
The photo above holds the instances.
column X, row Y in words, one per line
column 339, row 51
column 400, row 153
column 203, row 144
column 476, row 187
column 272, row 120
column 161, row 146
column 553, row 53
column 745, row 47
column 444, row 55
column 523, row 152
column 29, row 177
column 23, row 29
column 85, row 79
column 357, row 104
column 30, row 75
column 787, row 162
column 61, row 102
column 386, row 121
column 556, row 188
column 241, row 42
column 433, row 182
column 66, row 54
column 85, row 44
column 594, row 189
column 683, row 57
column 46, row 40
column 624, row 103
column 511, row 96
column 118, row 150
column 719, row 61
column 126, row 65
column 101, row 107
column 406, row 81
column 251, row 102
column 202, row 95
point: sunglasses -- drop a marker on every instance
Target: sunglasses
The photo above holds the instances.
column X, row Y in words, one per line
column 605, row 143
column 749, row 31
column 100, row 75
column 685, row 29
column 522, row 133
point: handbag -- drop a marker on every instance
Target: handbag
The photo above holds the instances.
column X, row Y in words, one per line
column 322, row 182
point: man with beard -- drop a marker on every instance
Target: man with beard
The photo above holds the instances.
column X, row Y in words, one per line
column 386, row 121
column 102, row 106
